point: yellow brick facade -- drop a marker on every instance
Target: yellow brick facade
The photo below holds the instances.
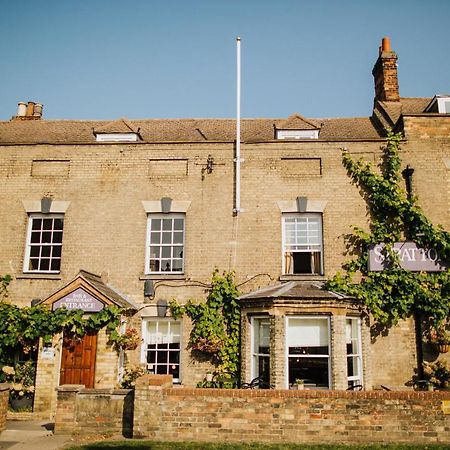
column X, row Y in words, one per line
column 105, row 187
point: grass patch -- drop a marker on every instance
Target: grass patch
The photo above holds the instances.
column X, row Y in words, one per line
column 152, row 445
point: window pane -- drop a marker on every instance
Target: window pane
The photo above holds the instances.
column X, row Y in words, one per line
column 35, row 251
column 177, row 265
column 46, row 237
column 155, row 252
column 178, row 224
column 167, row 224
column 56, row 263
column 166, row 238
column 58, row 224
column 166, row 252
column 57, row 237
column 37, row 224
column 47, row 224
column 165, row 265
column 155, row 238
column 35, row 238
column 178, row 238
column 155, row 224
column 44, row 264
column 46, row 249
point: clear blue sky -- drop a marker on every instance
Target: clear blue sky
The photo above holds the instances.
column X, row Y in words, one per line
column 104, row 59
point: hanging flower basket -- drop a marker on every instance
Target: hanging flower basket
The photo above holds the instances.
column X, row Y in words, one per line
column 129, row 340
column 443, row 347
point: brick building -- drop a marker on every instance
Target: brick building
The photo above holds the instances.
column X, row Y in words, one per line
column 135, row 213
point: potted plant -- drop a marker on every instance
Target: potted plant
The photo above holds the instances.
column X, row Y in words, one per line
column 209, row 376
column 21, row 380
column 439, row 335
column 299, row 384
column 437, row 375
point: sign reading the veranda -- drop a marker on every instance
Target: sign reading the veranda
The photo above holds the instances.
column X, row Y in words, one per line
column 411, row 258
column 79, row 299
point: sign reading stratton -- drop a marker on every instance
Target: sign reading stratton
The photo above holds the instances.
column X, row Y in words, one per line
column 79, row 299
column 411, row 258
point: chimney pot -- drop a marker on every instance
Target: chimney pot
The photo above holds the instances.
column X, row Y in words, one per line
column 30, row 109
column 37, row 112
column 386, row 44
column 21, row 109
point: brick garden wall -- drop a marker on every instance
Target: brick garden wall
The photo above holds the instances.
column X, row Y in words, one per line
column 162, row 412
column 4, row 398
column 106, row 412
column 289, row 416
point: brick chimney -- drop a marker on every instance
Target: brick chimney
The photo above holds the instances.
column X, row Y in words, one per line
column 28, row 111
column 385, row 74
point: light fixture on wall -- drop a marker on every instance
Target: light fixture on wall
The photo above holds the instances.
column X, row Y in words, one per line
column 161, row 308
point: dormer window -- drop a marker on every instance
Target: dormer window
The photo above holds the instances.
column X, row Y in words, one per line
column 117, row 131
column 296, row 127
column 297, row 134
column 440, row 104
column 116, row 137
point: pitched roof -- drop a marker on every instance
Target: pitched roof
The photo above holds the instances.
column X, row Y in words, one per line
column 297, row 122
column 388, row 113
column 301, row 290
column 174, row 130
column 96, row 287
column 117, row 126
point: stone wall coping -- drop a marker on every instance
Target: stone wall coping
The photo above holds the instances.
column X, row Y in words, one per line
column 70, row 388
column 4, row 386
column 308, row 393
column 104, row 391
column 161, row 381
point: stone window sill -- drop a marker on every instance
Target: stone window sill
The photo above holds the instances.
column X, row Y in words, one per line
column 39, row 276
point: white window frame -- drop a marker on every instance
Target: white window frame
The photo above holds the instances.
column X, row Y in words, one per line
column 255, row 355
column 116, row 137
column 149, row 340
column 27, row 258
column 148, row 256
column 443, row 104
column 297, row 134
column 308, row 248
column 327, row 357
column 355, row 324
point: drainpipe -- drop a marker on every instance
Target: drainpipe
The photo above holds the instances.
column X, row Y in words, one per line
column 237, row 205
column 407, row 175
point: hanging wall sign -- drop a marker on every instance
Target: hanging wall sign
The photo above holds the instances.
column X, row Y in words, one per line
column 79, row 299
column 411, row 258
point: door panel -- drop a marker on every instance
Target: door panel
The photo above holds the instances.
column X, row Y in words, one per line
column 78, row 360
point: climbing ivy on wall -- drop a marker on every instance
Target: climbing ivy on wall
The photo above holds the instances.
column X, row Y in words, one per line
column 394, row 293
column 22, row 327
column 216, row 323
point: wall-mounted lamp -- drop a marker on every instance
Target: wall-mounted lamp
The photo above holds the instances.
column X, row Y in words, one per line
column 161, row 308
column 149, row 290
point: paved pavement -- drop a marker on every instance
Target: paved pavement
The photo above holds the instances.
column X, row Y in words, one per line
column 31, row 435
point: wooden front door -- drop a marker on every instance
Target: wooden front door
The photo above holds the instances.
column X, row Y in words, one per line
column 78, row 360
